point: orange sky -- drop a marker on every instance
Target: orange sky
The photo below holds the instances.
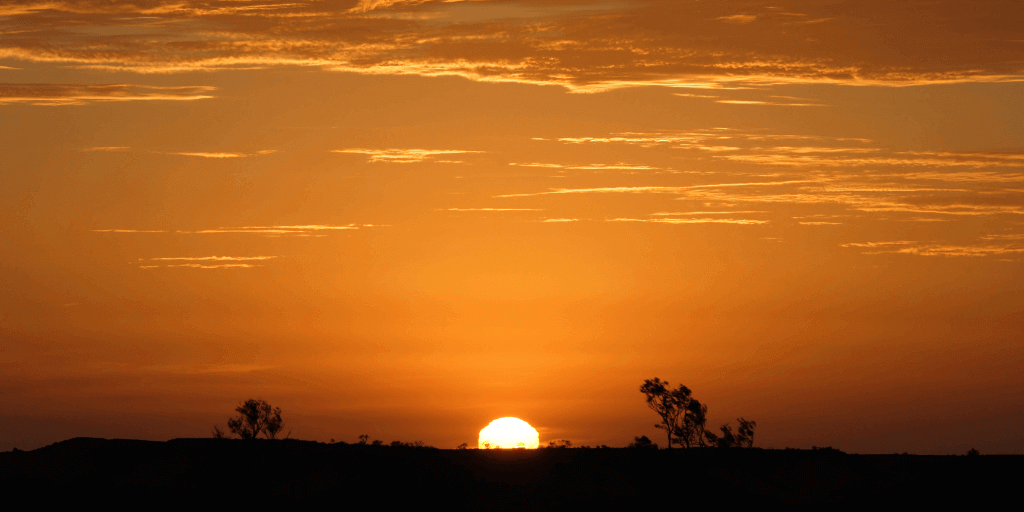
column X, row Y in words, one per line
column 409, row 218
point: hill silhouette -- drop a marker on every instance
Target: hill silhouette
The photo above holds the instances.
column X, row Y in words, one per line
column 192, row 470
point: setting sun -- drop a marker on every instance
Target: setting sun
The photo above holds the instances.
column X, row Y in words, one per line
column 509, row 433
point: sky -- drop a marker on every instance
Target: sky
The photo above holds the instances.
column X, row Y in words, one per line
column 409, row 218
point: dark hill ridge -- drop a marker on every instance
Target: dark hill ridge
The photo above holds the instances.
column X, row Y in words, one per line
column 197, row 469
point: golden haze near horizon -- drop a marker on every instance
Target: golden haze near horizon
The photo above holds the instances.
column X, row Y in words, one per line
column 409, row 218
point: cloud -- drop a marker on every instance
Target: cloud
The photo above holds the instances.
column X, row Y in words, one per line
column 200, row 265
column 292, row 230
column 371, row 5
column 76, row 94
column 738, row 18
column 939, row 249
column 592, row 167
column 211, row 155
column 402, row 156
column 837, row 152
column 664, row 214
column 702, row 45
column 204, row 154
column 107, row 148
column 695, row 221
column 654, row 189
column 127, row 231
column 560, row 220
column 215, row 258
column 687, row 95
column 773, row 103
column 205, row 262
column 493, row 209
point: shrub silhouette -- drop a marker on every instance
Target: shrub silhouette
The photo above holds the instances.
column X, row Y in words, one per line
column 642, row 442
column 256, row 417
column 744, row 438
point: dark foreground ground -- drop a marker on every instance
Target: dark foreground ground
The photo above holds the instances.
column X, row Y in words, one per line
column 200, row 471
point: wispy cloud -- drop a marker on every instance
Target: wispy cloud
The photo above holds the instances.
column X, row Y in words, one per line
column 128, row 231
column 214, row 258
column 290, row 230
column 219, row 154
column 205, row 262
column 592, row 167
column 402, row 156
column 654, row 189
column 695, row 221
column 493, row 209
column 770, row 103
column 211, row 155
column 531, row 42
column 975, row 250
column 666, row 214
column 76, row 94
column 738, row 18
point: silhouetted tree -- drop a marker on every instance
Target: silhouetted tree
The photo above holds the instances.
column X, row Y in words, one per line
column 642, row 442
column 363, row 438
column 690, row 432
column 743, row 438
column 561, row 443
column 463, row 446
column 256, row 417
column 218, row 433
column 972, row 452
column 672, row 405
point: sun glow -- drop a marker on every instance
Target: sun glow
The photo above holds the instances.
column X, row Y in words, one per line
column 509, row 433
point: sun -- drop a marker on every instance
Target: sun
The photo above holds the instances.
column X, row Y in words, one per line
column 509, row 433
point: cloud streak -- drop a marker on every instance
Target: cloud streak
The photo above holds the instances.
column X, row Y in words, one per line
column 77, row 94
column 619, row 44
column 205, row 262
column 976, row 250
column 746, row 222
column 402, row 156
column 290, row 230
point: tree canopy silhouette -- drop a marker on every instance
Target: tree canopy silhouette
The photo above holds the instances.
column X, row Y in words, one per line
column 670, row 404
column 743, row 438
column 642, row 442
column 256, row 417
column 684, row 418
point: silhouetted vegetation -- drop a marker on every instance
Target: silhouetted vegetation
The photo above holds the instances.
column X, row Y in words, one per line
column 642, row 442
column 744, row 438
column 410, row 444
column 561, row 443
column 255, row 417
column 307, row 473
column 684, row 418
